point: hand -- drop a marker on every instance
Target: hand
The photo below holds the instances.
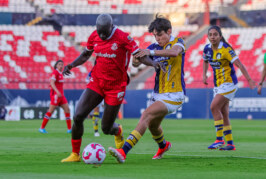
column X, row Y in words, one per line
column 252, row 84
column 205, row 80
column 159, row 65
column 135, row 62
column 67, row 69
column 141, row 53
column 59, row 95
column 259, row 89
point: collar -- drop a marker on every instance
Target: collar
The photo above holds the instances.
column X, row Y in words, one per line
column 59, row 71
column 113, row 31
column 219, row 46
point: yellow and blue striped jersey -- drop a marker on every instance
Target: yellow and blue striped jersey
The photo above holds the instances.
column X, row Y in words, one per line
column 173, row 79
column 221, row 61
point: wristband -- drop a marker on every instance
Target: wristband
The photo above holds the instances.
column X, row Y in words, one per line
column 260, row 84
column 152, row 52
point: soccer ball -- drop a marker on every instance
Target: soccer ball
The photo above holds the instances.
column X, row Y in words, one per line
column 93, row 154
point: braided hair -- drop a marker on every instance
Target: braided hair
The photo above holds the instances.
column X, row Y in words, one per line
column 218, row 29
column 58, row 61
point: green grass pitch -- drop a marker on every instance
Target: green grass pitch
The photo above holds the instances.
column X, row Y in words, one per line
column 25, row 153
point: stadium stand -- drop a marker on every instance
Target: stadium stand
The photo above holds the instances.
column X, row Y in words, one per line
column 112, row 6
column 253, row 5
column 28, row 53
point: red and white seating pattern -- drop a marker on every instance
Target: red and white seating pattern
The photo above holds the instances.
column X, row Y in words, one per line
column 28, row 54
column 249, row 44
column 253, row 5
column 15, row 6
column 112, row 6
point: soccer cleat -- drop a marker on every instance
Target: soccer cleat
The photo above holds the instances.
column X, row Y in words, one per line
column 43, row 131
column 96, row 134
column 119, row 154
column 69, row 130
column 74, row 157
column 228, row 147
column 216, row 144
column 119, row 140
column 160, row 151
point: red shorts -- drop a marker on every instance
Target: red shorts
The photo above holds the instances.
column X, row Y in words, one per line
column 57, row 101
column 113, row 96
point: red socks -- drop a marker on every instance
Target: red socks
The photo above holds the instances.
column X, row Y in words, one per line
column 46, row 118
column 68, row 120
column 76, row 143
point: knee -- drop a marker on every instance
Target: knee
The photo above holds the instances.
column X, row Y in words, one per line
column 78, row 119
column 105, row 129
column 213, row 108
column 146, row 118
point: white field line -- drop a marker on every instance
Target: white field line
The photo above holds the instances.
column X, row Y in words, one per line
column 217, row 156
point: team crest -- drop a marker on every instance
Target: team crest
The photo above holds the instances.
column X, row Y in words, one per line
column 129, row 38
column 218, row 56
column 168, row 46
column 114, row 46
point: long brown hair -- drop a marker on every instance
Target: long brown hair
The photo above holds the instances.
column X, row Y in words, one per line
column 218, row 29
column 58, row 61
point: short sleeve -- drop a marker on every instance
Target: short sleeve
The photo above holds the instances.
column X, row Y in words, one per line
column 130, row 44
column 90, row 41
column 204, row 53
column 180, row 42
column 230, row 54
column 265, row 58
column 54, row 76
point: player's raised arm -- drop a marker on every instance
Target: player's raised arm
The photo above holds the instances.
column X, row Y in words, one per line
column 82, row 58
column 146, row 60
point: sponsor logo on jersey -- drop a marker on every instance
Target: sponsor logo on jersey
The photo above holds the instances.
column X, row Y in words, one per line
column 106, row 55
column 114, row 46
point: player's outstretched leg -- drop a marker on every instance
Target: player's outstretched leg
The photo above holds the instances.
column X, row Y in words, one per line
column 120, row 154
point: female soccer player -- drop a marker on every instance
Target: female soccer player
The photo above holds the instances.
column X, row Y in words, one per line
column 108, row 81
column 57, row 97
column 169, row 90
column 262, row 75
column 221, row 56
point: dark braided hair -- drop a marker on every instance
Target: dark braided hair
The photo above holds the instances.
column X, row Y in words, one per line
column 58, row 61
column 218, row 29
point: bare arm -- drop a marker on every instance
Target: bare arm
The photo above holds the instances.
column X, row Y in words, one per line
column 146, row 60
column 205, row 69
column 262, row 79
column 244, row 71
column 173, row 52
column 52, row 82
column 82, row 58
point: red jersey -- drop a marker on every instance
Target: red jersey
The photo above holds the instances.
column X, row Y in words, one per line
column 112, row 56
column 59, row 82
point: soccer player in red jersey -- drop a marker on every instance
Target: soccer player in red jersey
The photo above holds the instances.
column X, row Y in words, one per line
column 57, row 97
column 108, row 81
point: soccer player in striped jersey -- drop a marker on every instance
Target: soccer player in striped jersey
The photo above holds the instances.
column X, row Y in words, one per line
column 169, row 90
column 222, row 58
column 57, row 97
column 262, row 75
